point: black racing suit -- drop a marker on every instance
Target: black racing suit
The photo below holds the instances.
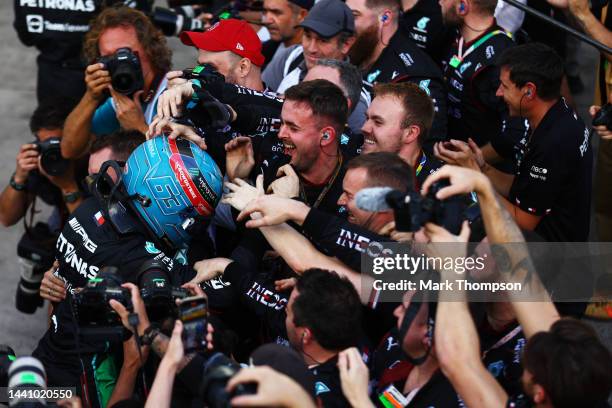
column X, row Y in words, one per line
column 402, row 60
column 56, row 29
column 88, row 243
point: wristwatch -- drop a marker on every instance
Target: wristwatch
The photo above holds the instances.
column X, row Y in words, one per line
column 149, row 335
column 17, row 186
column 72, row 197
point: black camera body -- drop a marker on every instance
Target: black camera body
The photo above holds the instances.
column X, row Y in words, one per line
column 125, row 71
column 36, row 252
column 412, row 210
column 205, row 73
column 604, row 117
column 217, row 372
column 94, row 315
column 51, row 159
column 158, row 295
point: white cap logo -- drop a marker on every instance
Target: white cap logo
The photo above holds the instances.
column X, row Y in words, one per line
column 239, row 47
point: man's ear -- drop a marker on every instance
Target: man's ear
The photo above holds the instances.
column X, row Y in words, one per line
column 411, row 134
column 539, row 394
column 244, row 67
column 344, row 49
column 301, row 15
column 328, row 135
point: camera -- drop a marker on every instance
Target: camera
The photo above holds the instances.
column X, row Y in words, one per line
column 604, row 117
column 26, row 373
column 172, row 22
column 36, row 253
column 413, row 210
column 158, row 295
column 205, row 73
column 51, row 159
column 94, row 315
column 125, row 71
column 7, row 356
column 217, row 372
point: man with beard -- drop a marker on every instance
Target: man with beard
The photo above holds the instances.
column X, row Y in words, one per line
column 399, row 121
column 474, row 111
column 385, row 53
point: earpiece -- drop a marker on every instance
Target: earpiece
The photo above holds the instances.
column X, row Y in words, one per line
column 462, row 7
column 528, row 93
column 326, row 136
column 384, row 18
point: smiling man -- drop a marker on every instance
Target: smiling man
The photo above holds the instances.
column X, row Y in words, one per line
column 313, row 118
column 398, row 121
column 329, row 32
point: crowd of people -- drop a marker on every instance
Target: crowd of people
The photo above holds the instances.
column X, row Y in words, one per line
column 214, row 225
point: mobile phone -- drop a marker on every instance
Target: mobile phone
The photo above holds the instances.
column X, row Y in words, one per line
column 193, row 312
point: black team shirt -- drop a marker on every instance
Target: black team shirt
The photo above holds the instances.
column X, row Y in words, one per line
column 554, row 176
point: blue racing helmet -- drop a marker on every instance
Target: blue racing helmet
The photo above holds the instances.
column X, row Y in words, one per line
column 177, row 184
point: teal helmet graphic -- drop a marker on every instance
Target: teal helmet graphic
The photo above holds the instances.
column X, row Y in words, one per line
column 176, row 184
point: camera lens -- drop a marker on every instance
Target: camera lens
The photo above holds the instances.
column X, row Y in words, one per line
column 27, row 372
column 122, row 82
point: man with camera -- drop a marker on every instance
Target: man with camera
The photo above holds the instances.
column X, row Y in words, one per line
column 42, row 173
column 129, row 223
column 128, row 57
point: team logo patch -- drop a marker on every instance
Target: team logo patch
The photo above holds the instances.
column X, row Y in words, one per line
column 150, row 248
column 372, row 77
column 424, row 85
column 321, row 388
column 422, row 23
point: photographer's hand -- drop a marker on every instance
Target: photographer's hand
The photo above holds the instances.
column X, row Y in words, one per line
column 139, row 309
column 354, row 378
column 166, row 126
column 242, row 193
column 161, row 392
column 239, row 158
column 273, row 389
column 601, row 130
column 27, row 160
column 129, row 111
column 97, row 80
column 287, row 184
column 462, row 181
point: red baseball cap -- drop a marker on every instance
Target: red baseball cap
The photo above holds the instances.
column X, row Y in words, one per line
column 227, row 35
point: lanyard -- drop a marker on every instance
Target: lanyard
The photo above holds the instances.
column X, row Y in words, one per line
column 418, row 169
column 503, row 340
column 456, row 60
column 327, row 187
